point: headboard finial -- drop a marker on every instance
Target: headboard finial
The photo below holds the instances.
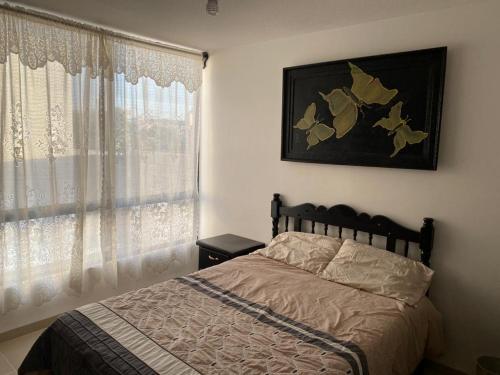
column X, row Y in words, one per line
column 275, row 212
column 427, row 240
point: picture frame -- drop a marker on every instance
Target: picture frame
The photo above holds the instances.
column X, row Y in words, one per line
column 381, row 111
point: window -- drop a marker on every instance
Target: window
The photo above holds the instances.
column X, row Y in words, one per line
column 99, row 158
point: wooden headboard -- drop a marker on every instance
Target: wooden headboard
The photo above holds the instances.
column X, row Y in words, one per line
column 342, row 216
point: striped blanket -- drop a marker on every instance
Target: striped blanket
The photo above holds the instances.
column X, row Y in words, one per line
column 251, row 315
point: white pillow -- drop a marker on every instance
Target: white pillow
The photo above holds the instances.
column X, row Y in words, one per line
column 308, row 251
column 379, row 271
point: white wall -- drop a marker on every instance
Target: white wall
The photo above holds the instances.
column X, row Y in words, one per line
column 241, row 165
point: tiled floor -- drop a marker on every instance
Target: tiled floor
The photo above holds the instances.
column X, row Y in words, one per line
column 12, row 352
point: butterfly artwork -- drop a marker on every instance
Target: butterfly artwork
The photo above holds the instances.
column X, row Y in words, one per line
column 403, row 133
column 316, row 131
column 380, row 111
column 345, row 103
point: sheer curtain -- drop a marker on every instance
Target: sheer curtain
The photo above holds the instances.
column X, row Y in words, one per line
column 99, row 159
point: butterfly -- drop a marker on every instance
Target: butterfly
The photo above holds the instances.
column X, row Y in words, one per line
column 316, row 131
column 395, row 124
column 344, row 103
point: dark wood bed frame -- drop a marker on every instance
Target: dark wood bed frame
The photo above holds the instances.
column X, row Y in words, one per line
column 342, row 216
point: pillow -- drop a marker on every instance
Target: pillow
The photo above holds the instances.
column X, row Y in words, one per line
column 379, row 271
column 308, row 251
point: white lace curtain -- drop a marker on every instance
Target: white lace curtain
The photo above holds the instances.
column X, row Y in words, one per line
column 99, row 159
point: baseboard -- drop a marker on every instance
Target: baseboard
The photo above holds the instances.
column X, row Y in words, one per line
column 24, row 330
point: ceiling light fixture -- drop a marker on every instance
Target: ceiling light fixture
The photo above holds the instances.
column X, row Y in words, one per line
column 212, row 7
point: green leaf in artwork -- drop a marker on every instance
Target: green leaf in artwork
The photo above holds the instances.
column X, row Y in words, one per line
column 404, row 134
column 344, row 109
column 318, row 133
column 394, row 120
column 308, row 120
column 368, row 89
column 344, row 103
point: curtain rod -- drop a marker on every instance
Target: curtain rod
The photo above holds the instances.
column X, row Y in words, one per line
column 98, row 29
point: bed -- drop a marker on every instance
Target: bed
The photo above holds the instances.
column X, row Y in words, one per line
column 252, row 315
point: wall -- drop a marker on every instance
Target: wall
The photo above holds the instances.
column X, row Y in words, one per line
column 241, row 165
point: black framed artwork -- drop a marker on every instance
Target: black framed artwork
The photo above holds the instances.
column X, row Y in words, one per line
column 382, row 111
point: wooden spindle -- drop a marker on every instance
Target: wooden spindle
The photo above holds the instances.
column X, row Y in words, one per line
column 286, row 223
column 297, row 224
column 407, row 247
column 313, row 225
column 355, row 234
column 391, row 243
column 370, row 238
column 326, row 229
column 340, row 232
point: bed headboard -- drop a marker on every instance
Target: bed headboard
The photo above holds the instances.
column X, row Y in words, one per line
column 342, row 216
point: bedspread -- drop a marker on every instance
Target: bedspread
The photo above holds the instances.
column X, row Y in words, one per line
column 250, row 315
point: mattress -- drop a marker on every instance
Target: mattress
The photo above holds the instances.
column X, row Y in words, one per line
column 250, row 315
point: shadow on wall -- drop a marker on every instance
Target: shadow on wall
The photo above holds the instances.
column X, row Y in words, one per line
column 471, row 302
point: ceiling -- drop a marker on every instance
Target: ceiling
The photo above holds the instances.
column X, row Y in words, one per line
column 186, row 22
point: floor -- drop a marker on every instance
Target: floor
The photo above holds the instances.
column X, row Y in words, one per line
column 12, row 352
